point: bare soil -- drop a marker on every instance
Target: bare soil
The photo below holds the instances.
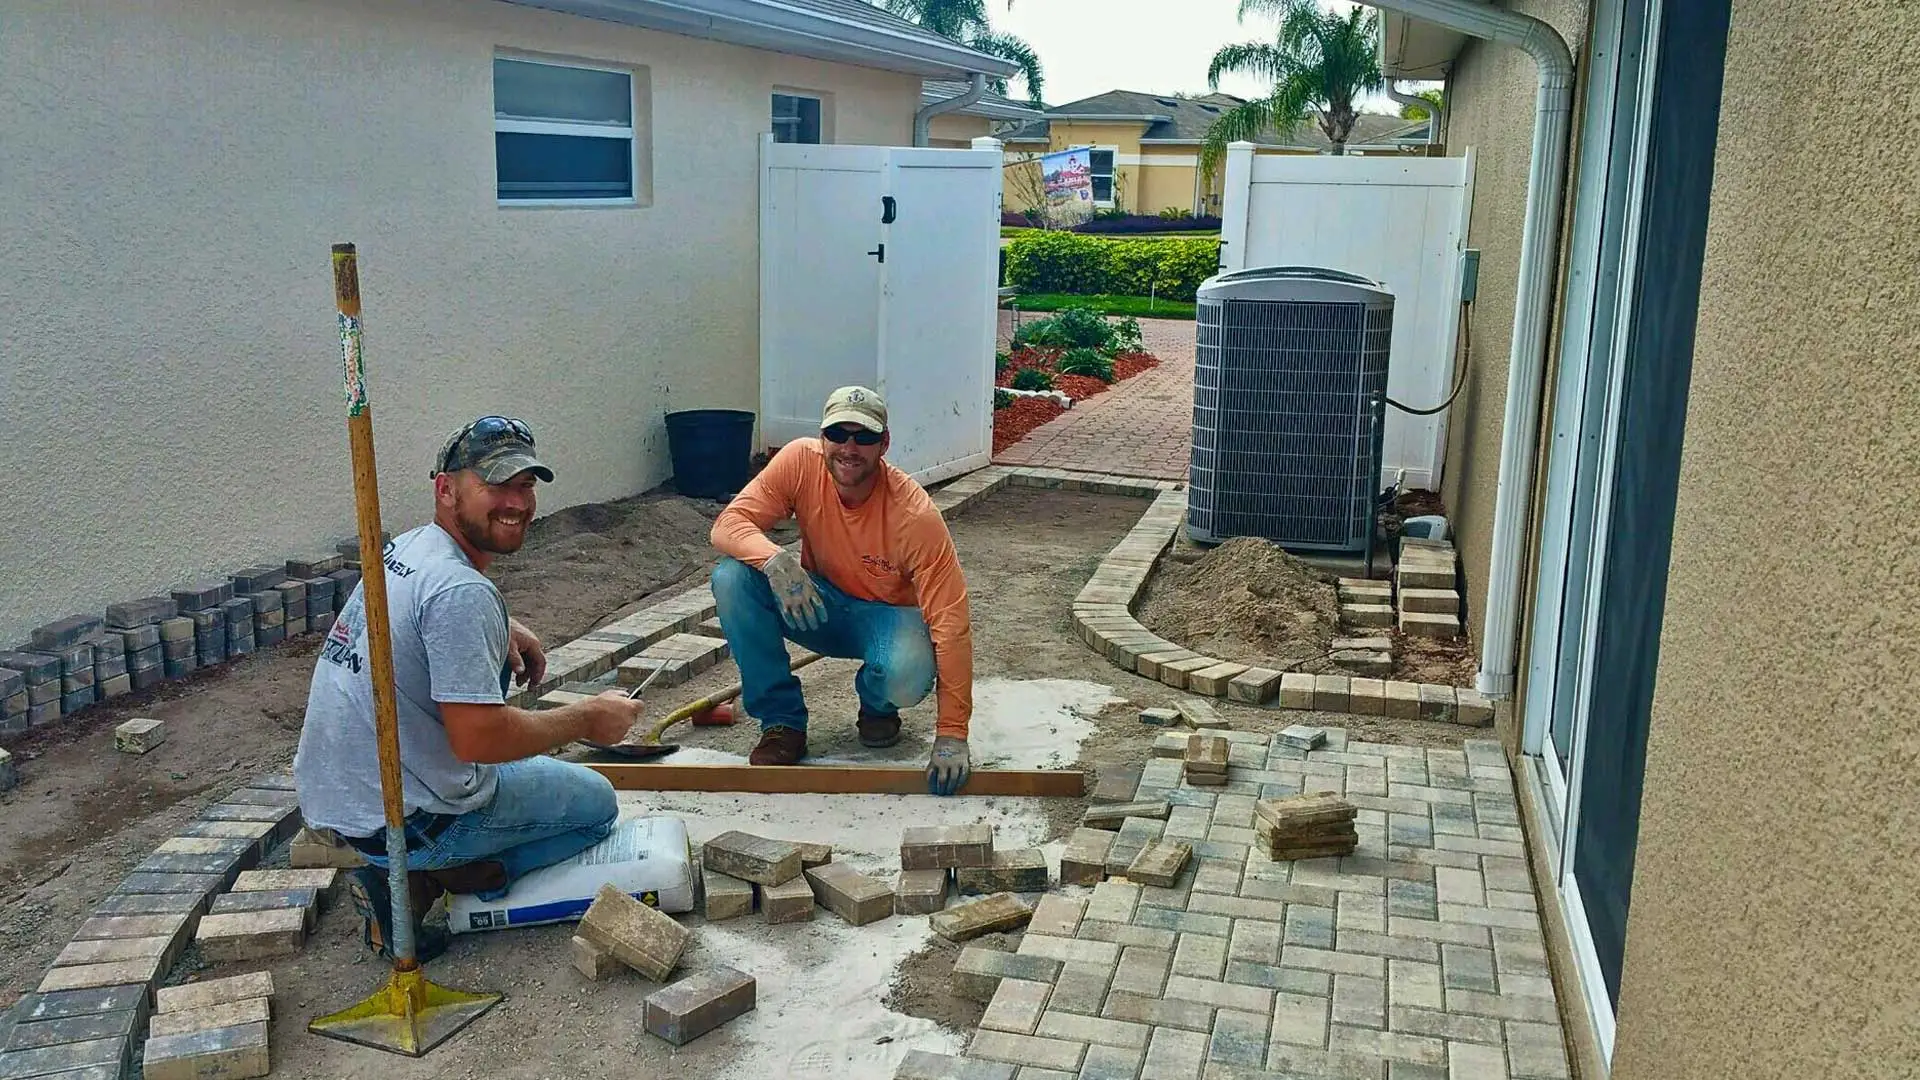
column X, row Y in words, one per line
column 85, row 814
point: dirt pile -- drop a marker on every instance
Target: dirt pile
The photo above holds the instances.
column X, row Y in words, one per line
column 1245, row 600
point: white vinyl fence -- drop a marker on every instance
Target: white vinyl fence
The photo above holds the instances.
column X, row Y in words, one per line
column 879, row 267
column 1399, row 221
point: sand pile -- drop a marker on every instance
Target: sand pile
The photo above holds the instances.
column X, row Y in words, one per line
column 1245, row 600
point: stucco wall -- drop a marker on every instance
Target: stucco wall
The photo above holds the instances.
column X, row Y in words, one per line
column 1493, row 86
column 1777, row 888
column 957, row 130
column 170, row 388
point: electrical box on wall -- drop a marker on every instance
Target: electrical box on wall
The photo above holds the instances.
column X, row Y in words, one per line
column 1469, row 274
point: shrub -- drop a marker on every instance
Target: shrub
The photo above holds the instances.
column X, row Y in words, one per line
column 1064, row 262
column 1174, row 213
column 1126, row 334
column 1087, row 361
column 1000, row 361
column 1018, row 219
column 1149, row 223
column 1032, row 379
column 1001, row 399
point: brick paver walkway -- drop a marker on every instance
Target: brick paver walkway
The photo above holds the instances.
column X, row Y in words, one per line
column 1419, row 956
column 1141, row 427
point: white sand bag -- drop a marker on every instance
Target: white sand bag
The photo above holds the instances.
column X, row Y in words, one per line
column 647, row 857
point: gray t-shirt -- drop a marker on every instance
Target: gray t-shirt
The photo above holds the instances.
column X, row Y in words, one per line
column 449, row 644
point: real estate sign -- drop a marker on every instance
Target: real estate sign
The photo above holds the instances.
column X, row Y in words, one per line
column 1067, row 177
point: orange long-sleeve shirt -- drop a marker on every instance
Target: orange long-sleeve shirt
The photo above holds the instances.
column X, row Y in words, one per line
column 894, row 548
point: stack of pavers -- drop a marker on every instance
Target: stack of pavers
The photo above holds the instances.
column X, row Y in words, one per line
column 790, row 879
column 217, row 1028
column 86, row 1015
column 321, row 590
column 71, row 640
column 1311, row 826
column 133, row 628
column 1206, row 760
column 13, row 703
column 205, row 605
column 260, row 587
column 1426, row 588
column 40, row 680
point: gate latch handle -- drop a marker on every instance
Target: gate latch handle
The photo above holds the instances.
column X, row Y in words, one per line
column 880, row 252
column 886, row 215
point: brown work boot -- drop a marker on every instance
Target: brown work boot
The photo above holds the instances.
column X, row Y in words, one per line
column 878, row 729
column 779, row 746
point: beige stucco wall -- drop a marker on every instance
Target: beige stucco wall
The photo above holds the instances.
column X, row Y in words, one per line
column 956, row 131
column 173, row 173
column 1777, row 888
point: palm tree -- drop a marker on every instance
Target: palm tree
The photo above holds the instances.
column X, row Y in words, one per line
column 965, row 21
column 1319, row 63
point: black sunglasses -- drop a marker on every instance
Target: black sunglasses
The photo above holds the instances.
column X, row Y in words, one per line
column 476, row 438
column 860, row 436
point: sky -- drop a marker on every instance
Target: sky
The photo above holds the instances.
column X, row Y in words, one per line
column 1088, row 47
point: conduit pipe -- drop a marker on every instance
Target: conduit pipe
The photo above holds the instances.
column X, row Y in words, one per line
column 923, row 119
column 1527, row 355
column 1436, row 114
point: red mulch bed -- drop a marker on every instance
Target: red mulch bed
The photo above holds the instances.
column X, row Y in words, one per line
column 1014, row 422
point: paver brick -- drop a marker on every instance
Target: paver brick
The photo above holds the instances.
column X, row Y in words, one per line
column 257, row 1010
column 1505, row 1007
column 1201, row 956
column 852, row 895
column 758, row 859
column 724, row 896
column 319, row 879
column 639, row 936
column 1254, row 686
column 1057, row 916
column 1537, row 1050
column 1076, row 1027
column 85, row 1027
column 114, row 950
column 1113, row 815
column 699, row 1003
column 812, row 855
column 923, row 1065
column 1206, row 754
column 252, row 935
column 589, row 959
column 1213, row 681
column 1388, row 1044
column 1016, row 1006
column 228, row 1053
column 92, row 976
column 1070, row 950
column 1113, row 901
column 38, row 1008
column 58, row 1060
column 1142, row 970
column 978, row 971
column 1160, row 862
column 1133, row 836
column 211, row 992
column 788, row 902
column 990, row 914
column 931, row 847
column 1010, row 870
column 1174, row 1055
column 1084, row 862
column 920, row 892
column 1027, row 1050
column 1081, row 987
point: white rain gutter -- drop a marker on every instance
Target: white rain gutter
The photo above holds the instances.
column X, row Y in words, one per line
column 1527, row 354
column 923, row 119
column 1436, row 114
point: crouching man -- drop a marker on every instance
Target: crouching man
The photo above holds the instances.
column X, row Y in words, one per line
column 483, row 807
column 876, row 579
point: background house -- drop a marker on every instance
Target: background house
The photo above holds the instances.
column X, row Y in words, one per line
column 1147, row 148
column 556, row 216
column 1709, row 723
column 993, row 116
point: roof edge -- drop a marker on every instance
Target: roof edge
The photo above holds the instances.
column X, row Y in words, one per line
column 780, row 27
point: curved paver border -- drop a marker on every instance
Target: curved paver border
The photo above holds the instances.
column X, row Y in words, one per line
column 1103, row 617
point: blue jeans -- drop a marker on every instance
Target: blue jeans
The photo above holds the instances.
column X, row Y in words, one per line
column 543, row 812
column 892, row 643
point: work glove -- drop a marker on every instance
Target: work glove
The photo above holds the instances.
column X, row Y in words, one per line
column 949, row 767
column 793, row 589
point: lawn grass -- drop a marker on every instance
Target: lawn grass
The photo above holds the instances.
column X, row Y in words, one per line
column 1143, row 307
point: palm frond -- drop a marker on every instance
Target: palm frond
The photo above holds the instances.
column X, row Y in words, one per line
column 1256, row 58
column 1009, row 47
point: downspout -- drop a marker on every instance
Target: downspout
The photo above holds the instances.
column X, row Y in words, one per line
column 924, row 118
column 1527, row 354
column 1436, row 114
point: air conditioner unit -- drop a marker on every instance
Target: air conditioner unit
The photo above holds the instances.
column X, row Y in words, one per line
column 1289, row 393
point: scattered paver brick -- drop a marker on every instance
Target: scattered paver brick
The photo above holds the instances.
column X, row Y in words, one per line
column 1170, row 744
column 1084, row 862
column 1013, row 870
column 231, row 1053
column 589, row 959
column 812, row 855
column 1160, row 717
column 139, row 735
column 1160, row 863
column 935, row 847
column 920, row 892
column 1201, row 714
column 788, row 902
column 1116, row 784
column 1114, row 815
column 1134, row 835
column 200, row 995
column 724, row 896
column 1207, row 754
column 852, row 895
column 987, row 915
column 1302, row 737
column 697, row 1004
column 752, row 858
column 252, row 935
column 641, row 937
column 254, row 1010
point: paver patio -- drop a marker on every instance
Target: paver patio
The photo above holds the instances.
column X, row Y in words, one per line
column 1418, row 956
column 1141, row 427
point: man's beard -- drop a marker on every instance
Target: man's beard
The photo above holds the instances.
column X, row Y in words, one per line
column 480, row 531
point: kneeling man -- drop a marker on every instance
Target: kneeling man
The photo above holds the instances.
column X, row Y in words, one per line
column 483, row 807
column 876, row 579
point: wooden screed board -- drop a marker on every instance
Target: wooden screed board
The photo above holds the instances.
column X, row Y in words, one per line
column 834, row 780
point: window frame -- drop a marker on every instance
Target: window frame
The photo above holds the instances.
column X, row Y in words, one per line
column 1112, row 174
column 630, row 133
column 819, row 120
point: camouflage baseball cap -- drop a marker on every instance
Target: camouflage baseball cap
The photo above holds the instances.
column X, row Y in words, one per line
column 497, row 447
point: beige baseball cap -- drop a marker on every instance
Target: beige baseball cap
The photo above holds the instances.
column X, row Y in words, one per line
column 855, row 405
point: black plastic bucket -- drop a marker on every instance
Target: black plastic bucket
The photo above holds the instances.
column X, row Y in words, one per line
column 712, row 451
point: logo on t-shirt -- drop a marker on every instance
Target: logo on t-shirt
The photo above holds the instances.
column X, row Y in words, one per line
column 878, row 564
column 339, row 648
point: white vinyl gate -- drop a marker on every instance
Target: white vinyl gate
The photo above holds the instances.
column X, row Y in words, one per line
column 1399, row 221
column 879, row 267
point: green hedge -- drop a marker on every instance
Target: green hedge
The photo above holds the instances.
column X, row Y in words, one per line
column 1065, row 262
